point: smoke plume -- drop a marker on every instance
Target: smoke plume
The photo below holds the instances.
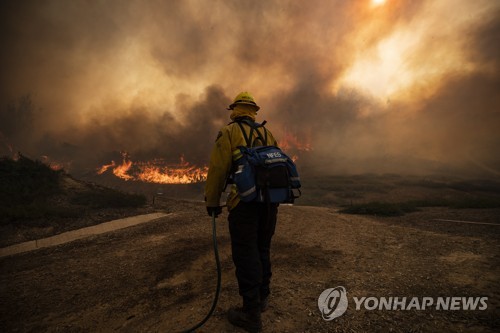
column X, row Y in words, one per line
column 402, row 86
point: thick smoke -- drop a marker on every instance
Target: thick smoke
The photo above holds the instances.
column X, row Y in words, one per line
column 82, row 81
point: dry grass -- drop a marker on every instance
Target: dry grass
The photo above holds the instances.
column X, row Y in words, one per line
column 395, row 195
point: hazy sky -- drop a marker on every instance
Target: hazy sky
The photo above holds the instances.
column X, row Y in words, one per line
column 372, row 86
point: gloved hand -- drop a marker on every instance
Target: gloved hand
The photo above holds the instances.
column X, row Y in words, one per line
column 217, row 210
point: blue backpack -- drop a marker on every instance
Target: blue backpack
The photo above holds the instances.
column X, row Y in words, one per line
column 264, row 173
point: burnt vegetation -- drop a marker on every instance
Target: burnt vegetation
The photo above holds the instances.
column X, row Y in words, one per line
column 32, row 193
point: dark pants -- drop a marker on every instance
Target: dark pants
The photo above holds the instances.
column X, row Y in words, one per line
column 252, row 226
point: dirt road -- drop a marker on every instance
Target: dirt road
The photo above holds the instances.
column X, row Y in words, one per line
column 160, row 276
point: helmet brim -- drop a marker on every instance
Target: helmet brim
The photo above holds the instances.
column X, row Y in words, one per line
column 257, row 108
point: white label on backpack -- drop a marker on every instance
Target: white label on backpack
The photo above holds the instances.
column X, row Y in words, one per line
column 274, row 155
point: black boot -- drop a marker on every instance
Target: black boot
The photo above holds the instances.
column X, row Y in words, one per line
column 247, row 319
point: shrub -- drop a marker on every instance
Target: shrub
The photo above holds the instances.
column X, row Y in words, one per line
column 476, row 203
column 381, row 208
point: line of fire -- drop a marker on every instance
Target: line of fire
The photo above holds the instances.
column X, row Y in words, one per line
column 157, row 170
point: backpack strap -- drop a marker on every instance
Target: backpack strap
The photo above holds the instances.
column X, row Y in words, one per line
column 265, row 130
column 253, row 127
column 247, row 140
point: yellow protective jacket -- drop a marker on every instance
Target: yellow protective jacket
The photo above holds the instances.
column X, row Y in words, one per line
column 228, row 140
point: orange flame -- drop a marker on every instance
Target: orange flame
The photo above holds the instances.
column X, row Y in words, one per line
column 121, row 170
column 105, row 167
column 157, row 171
column 290, row 141
column 56, row 166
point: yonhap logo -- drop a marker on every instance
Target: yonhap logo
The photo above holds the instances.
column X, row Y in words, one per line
column 332, row 303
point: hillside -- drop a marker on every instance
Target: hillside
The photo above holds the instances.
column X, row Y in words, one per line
column 36, row 201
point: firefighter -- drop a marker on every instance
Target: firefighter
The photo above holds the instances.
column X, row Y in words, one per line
column 251, row 224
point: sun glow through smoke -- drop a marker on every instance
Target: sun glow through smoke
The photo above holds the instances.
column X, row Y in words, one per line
column 417, row 55
column 378, row 2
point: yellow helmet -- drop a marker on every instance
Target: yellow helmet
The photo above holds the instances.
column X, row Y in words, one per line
column 244, row 98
